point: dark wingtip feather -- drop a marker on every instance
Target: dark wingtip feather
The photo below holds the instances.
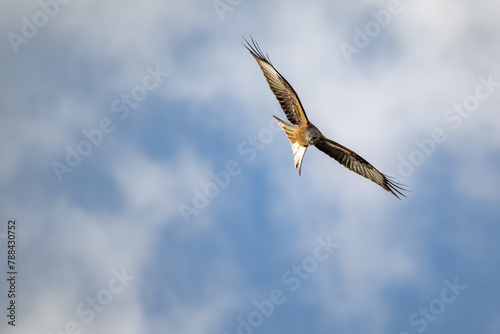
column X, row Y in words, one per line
column 395, row 187
column 255, row 49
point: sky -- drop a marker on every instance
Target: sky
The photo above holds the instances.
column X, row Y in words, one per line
column 146, row 188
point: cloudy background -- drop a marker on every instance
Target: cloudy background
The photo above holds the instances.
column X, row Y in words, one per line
column 119, row 239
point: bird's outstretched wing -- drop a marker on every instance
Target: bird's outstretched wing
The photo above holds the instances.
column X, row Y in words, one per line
column 354, row 162
column 288, row 99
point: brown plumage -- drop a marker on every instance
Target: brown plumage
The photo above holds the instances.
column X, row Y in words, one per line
column 302, row 133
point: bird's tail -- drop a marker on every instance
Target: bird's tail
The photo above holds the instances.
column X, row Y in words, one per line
column 298, row 150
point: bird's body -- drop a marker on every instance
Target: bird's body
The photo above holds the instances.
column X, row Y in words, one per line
column 302, row 133
column 308, row 134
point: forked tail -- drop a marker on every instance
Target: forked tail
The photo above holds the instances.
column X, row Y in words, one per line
column 298, row 150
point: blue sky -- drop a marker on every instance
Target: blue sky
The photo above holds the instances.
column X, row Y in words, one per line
column 152, row 191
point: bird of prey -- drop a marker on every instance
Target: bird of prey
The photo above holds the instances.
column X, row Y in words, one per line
column 302, row 133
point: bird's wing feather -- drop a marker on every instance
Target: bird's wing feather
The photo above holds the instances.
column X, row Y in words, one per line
column 286, row 95
column 354, row 162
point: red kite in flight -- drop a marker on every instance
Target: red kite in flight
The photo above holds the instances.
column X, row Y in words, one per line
column 302, row 133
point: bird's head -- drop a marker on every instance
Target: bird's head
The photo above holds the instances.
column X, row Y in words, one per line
column 313, row 135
